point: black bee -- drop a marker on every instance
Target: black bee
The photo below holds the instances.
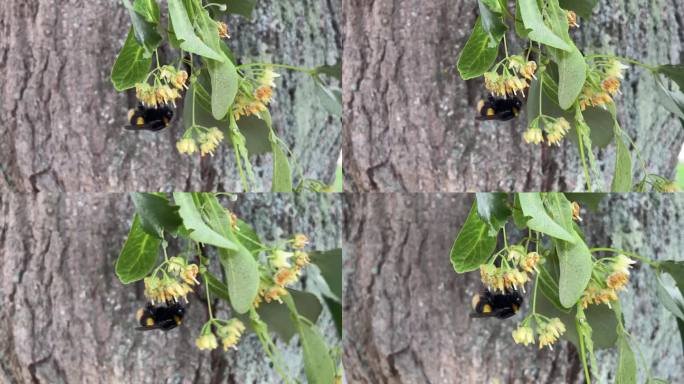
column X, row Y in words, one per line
column 502, row 109
column 499, row 305
column 149, row 119
column 163, row 317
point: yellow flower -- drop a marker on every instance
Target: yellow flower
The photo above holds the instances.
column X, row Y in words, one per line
column 516, row 252
column 557, row 131
column 268, row 78
column 528, row 70
column 180, row 79
column 189, row 274
column 146, row 94
column 264, row 94
column 550, row 332
column 186, row 145
column 533, row 136
column 214, row 135
column 153, row 288
column 622, row 264
column 207, row 341
column 530, row 261
column 523, row 335
column 576, row 211
column 617, row 280
column 301, row 259
column 286, row 276
column 274, row 293
column 230, row 333
column 300, row 241
column 223, row 30
column 611, row 85
column 176, row 264
column 572, row 19
column 614, row 68
column 280, row 259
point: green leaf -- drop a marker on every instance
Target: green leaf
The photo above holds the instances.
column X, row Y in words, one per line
column 473, row 245
column 334, row 70
column 145, row 32
column 548, row 280
column 130, row 66
column 318, row 365
column 493, row 210
column 533, row 20
column 590, row 200
column 139, row 254
column 330, row 99
column 626, row 370
column 224, row 77
column 330, row 264
column 669, row 296
column 248, row 237
column 572, row 73
column 239, row 7
column 492, row 21
column 335, row 308
column 156, row 213
column 601, row 123
column 185, row 33
column 584, row 8
column 277, row 316
column 192, row 220
column 519, row 218
column 560, row 209
column 256, row 131
column 216, row 287
column 622, row 177
column 575, row 270
column 680, row 325
column 477, row 55
column 282, row 176
column 519, row 26
column 149, row 9
column 671, row 100
column 533, row 207
column 674, row 72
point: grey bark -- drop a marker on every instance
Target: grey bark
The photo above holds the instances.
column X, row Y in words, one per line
column 66, row 318
column 62, row 121
column 407, row 311
column 409, row 118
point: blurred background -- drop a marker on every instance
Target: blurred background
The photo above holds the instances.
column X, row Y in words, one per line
column 66, row 318
column 407, row 311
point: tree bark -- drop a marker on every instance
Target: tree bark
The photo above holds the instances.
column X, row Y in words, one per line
column 62, row 121
column 409, row 118
column 407, row 311
column 66, row 318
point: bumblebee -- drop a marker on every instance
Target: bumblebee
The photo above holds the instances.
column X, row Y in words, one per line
column 149, row 119
column 499, row 305
column 502, row 109
column 163, row 317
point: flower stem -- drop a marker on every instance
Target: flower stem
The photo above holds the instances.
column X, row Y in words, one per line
column 630, row 254
column 625, row 59
column 284, row 66
column 206, row 286
column 583, row 353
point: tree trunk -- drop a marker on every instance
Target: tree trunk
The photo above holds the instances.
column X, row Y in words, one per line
column 62, row 121
column 410, row 117
column 407, row 311
column 66, row 318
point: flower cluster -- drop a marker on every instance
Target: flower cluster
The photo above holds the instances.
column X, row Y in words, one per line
column 228, row 331
column 178, row 278
column 549, row 331
column 554, row 128
column 513, row 78
column 610, row 276
column 286, row 269
column 255, row 94
column 223, row 30
column 572, row 19
column 603, row 82
column 207, row 138
column 168, row 82
column 513, row 273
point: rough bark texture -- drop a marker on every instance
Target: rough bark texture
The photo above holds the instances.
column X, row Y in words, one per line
column 406, row 310
column 409, row 118
column 62, row 121
column 66, row 318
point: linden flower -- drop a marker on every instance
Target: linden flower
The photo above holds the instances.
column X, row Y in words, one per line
column 533, row 136
column 576, row 211
column 615, row 68
column 264, row 94
column 268, row 78
column 186, row 145
column 622, row 264
column 528, row 70
column 207, row 341
column 617, row 281
column 557, row 131
column 189, row 274
column 230, row 333
column 300, row 241
column 179, row 81
column 223, row 30
column 530, row 261
column 275, row 293
column 611, row 85
column 550, row 332
column 516, row 252
column 572, row 19
column 286, row 276
column 523, row 335
column 153, row 287
column 301, row 259
column 280, row 259
column 146, row 94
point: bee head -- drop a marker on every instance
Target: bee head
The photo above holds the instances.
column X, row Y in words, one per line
column 131, row 112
